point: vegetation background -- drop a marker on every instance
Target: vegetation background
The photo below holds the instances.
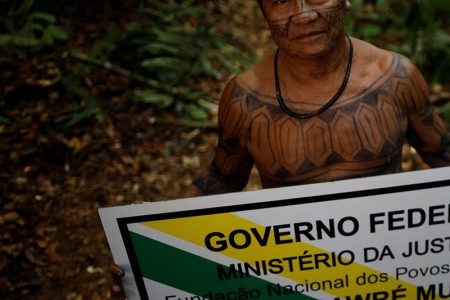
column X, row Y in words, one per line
column 108, row 102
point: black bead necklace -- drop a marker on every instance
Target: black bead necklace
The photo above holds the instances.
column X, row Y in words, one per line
column 323, row 107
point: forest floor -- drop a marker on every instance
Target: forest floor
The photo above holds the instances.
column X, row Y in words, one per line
column 53, row 181
column 53, row 244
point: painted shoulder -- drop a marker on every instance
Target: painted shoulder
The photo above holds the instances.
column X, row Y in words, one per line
column 400, row 75
column 382, row 59
column 233, row 109
column 244, row 94
column 253, row 87
column 259, row 79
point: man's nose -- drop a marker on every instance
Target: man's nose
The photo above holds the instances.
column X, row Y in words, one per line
column 301, row 6
column 303, row 13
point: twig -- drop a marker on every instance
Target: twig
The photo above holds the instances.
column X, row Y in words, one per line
column 150, row 82
column 118, row 69
column 187, row 123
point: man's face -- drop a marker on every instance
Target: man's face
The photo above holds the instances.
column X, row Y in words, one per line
column 306, row 27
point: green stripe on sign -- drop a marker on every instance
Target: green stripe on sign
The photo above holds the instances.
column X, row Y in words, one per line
column 191, row 273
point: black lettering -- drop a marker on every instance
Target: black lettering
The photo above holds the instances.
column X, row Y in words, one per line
column 434, row 214
column 279, row 234
column 437, row 245
column 227, row 273
column 276, row 289
column 393, row 219
column 374, row 221
column 330, row 230
column 276, row 266
column 219, row 244
column 234, row 241
column 426, row 294
column 443, row 294
column 351, row 231
column 422, row 217
column 299, row 231
column 262, row 240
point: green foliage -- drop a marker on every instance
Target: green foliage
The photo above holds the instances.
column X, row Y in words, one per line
column 442, row 5
column 175, row 45
column 89, row 109
column 21, row 27
column 417, row 28
column 444, row 111
column 165, row 49
column 85, row 107
column 149, row 96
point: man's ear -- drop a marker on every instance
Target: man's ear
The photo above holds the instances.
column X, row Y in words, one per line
column 348, row 5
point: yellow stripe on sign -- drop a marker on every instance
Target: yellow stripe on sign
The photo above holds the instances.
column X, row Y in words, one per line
column 195, row 229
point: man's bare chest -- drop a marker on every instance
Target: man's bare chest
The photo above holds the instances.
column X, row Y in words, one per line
column 362, row 129
column 362, row 132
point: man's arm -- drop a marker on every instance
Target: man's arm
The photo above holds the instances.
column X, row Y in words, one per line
column 230, row 169
column 427, row 132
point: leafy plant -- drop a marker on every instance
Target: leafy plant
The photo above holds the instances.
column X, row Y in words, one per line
column 444, row 111
column 173, row 45
column 417, row 28
column 22, row 27
column 89, row 109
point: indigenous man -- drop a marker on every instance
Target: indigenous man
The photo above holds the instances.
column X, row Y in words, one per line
column 322, row 107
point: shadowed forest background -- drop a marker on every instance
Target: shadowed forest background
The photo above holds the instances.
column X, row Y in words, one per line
column 108, row 102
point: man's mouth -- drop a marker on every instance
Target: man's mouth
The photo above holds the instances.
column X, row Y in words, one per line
column 307, row 35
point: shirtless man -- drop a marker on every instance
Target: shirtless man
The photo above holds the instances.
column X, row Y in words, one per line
column 322, row 107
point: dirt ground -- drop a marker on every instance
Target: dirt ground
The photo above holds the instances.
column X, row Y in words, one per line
column 53, row 245
column 52, row 180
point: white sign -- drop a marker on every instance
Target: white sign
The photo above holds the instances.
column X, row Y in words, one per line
column 383, row 237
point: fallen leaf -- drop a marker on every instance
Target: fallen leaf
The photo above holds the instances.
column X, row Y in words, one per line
column 9, row 217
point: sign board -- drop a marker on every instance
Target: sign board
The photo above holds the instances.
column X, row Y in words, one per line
column 383, row 237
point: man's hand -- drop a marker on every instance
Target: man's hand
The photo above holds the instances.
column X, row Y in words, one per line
column 117, row 292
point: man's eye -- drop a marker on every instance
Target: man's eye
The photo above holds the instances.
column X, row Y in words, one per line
column 281, row 1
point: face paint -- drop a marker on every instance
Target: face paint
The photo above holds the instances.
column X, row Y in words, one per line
column 289, row 13
column 291, row 29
